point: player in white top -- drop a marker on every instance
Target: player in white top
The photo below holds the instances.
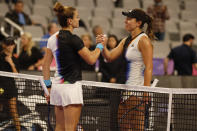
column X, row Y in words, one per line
column 138, row 51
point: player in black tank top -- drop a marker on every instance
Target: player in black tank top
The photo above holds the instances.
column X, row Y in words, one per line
column 69, row 59
column 69, row 50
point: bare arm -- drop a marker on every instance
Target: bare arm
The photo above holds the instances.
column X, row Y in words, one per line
column 146, row 49
column 89, row 56
column 166, row 60
column 114, row 53
column 10, row 61
column 14, row 69
column 46, row 64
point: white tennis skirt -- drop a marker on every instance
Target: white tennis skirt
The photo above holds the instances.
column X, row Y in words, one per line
column 66, row 94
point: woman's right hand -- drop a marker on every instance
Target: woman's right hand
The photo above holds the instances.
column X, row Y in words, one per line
column 47, row 96
column 101, row 39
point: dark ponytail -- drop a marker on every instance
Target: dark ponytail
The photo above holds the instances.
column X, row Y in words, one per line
column 149, row 30
column 142, row 16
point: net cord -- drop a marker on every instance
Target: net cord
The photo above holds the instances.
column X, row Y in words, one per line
column 111, row 85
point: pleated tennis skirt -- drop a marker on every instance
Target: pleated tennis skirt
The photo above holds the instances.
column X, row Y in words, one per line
column 66, row 94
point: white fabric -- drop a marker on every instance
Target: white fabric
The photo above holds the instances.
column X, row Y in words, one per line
column 52, row 45
column 52, row 42
column 66, row 94
column 136, row 64
column 135, row 68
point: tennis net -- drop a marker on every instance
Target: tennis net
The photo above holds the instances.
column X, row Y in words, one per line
column 107, row 107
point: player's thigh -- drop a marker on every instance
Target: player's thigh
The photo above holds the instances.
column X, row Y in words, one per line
column 59, row 114
column 72, row 113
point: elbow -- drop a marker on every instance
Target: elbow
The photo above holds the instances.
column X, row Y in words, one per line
column 91, row 61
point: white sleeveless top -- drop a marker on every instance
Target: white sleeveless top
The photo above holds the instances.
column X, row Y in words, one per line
column 135, row 67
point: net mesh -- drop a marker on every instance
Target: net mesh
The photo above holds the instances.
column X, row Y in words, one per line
column 107, row 107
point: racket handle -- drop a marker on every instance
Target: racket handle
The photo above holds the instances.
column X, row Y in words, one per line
column 44, row 86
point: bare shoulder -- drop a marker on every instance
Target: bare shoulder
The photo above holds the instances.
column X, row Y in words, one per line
column 144, row 43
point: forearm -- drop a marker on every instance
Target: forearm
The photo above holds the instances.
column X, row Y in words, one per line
column 166, row 65
column 46, row 71
column 94, row 55
column 46, row 64
column 112, row 54
column 14, row 69
column 90, row 57
column 106, row 53
column 147, row 76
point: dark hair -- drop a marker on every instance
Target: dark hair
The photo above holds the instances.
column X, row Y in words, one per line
column 50, row 26
column 9, row 41
column 19, row 2
column 95, row 27
column 145, row 18
column 187, row 37
column 140, row 15
column 63, row 13
column 114, row 36
column 149, row 30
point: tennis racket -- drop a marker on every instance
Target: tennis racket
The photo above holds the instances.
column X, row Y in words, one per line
column 49, row 109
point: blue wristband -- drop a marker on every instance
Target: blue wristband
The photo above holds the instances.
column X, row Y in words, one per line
column 47, row 82
column 100, row 46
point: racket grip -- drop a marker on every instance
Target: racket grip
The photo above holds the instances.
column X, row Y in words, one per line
column 44, row 86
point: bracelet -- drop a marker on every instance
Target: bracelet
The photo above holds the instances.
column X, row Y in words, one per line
column 100, row 46
column 47, row 83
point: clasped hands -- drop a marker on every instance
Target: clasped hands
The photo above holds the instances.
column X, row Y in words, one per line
column 102, row 38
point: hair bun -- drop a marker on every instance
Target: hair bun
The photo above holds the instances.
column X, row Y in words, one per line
column 58, row 7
